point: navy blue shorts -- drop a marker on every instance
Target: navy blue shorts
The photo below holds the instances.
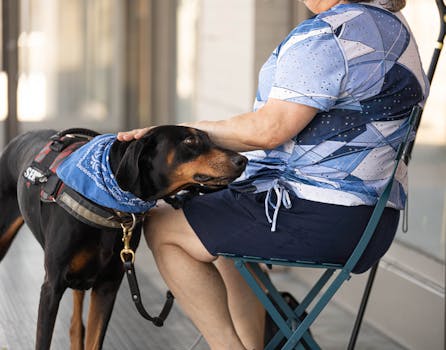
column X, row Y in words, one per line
column 232, row 222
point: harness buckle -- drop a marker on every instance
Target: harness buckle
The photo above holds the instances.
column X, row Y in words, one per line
column 57, row 145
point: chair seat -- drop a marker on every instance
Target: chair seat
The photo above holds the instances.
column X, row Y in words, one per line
column 283, row 262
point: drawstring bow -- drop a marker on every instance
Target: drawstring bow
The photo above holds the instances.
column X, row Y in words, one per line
column 282, row 198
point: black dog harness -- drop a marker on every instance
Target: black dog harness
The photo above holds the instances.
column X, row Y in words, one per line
column 42, row 172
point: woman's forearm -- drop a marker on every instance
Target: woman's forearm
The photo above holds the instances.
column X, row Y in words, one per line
column 267, row 128
column 240, row 133
column 272, row 125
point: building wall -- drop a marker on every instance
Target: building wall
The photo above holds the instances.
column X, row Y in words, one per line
column 225, row 85
column 272, row 23
column 234, row 40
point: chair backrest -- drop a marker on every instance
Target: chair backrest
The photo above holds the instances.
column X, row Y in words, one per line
column 403, row 154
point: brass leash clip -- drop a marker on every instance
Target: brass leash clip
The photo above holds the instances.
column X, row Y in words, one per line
column 127, row 230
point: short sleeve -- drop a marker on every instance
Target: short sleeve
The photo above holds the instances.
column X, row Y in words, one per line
column 310, row 69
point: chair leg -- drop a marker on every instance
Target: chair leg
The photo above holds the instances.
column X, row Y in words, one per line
column 362, row 307
column 274, row 313
column 316, row 310
column 294, row 317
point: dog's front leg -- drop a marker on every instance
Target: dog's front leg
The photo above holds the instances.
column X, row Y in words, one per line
column 50, row 295
column 77, row 329
column 102, row 300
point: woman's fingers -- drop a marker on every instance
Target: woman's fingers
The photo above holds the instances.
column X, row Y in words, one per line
column 141, row 132
column 132, row 134
column 126, row 135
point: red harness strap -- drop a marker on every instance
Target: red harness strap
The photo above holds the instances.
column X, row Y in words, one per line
column 42, row 170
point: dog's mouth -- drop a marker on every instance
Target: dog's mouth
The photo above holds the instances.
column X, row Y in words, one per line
column 210, row 181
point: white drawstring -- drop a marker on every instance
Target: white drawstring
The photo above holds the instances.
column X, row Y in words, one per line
column 282, row 196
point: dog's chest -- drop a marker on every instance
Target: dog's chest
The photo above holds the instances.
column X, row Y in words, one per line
column 91, row 260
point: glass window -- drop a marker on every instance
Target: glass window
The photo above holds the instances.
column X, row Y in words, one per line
column 187, row 15
column 3, row 81
column 427, row 170
column 3, row 87
column 3, row 96
column 71, row 60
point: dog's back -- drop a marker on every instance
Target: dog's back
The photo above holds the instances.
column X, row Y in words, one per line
column 22, row 200
column 15, row 157
column 20, row 152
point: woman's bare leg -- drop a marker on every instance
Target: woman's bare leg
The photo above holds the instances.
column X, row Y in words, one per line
column 247, row 312
column 187, row 269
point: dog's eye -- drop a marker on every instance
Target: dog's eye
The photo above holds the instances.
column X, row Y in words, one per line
column 190, row 141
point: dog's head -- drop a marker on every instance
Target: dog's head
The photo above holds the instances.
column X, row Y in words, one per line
column 171, row 158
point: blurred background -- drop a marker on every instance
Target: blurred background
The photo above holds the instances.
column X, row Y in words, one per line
column 112, row 65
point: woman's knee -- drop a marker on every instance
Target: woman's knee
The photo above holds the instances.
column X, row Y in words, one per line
column 166, row 227
column 156, row 228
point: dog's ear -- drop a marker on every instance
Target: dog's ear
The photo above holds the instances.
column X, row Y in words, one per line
column 128, row 173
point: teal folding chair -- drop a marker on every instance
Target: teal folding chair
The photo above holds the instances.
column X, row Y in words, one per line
column 294, row 324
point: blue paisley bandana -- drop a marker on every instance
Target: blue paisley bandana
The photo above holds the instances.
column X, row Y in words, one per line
column 87, row 171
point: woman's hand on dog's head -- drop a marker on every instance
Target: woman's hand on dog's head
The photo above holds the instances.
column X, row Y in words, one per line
column 136, row 134
column 133, row 134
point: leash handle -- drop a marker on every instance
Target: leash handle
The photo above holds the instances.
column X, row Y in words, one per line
column 158, row 321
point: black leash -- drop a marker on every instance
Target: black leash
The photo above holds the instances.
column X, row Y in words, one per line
column 128, row 259
column 136, row 297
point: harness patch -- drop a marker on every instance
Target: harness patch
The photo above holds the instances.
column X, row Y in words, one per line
column 34, row 175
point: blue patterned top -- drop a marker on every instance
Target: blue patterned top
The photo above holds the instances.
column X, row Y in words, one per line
column 87, row 171
column 359, row 65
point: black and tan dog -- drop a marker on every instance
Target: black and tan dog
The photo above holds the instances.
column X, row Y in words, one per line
column 80, row 256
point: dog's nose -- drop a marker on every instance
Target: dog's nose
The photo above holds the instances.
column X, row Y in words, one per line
column 239, row 161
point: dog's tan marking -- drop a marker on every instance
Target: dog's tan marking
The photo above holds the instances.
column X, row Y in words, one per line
column 80, row 260
column 8, row 236
column 214, row 163
column 170, row 157
column 95, row 324
column 77, row 330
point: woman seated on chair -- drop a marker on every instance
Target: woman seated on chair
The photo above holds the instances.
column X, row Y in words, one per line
column 332, row 106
